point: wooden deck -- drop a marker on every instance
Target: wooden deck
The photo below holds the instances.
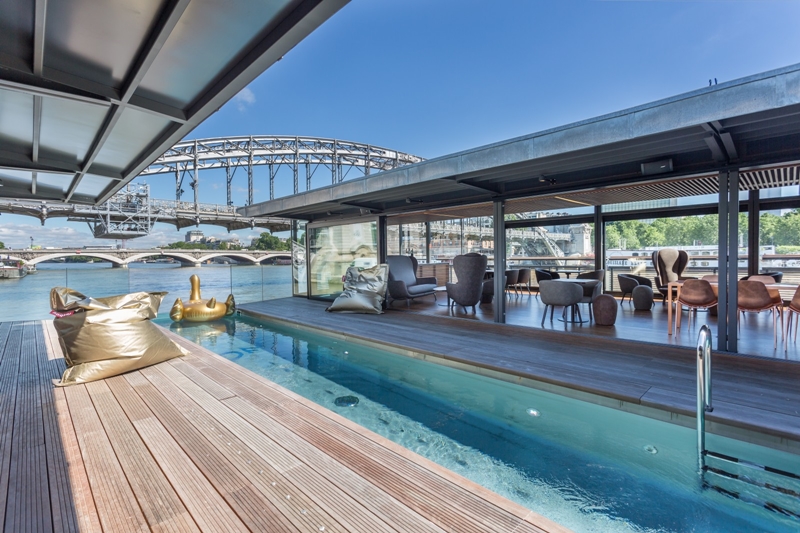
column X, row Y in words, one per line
column 755, row 399
column 200, row 444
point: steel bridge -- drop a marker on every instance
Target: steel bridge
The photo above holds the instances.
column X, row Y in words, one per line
column 131, row 213
column 312, row 154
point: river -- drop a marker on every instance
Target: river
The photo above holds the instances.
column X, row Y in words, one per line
column 28, row 298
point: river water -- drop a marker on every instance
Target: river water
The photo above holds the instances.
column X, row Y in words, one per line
column 28, row 298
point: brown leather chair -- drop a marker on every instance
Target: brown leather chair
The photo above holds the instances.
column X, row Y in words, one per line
column 768, row 280
column 695, row 294
column 754, row 296
column 792, row 309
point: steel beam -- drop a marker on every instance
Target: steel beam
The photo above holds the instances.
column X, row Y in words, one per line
column 499, row 302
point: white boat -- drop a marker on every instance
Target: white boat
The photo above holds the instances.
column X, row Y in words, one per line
column 12, row 272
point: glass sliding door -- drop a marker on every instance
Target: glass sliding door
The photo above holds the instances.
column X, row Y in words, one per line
column 333, row 249
column 299, row 274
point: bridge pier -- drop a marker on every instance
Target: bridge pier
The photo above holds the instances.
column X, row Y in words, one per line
column 119, row 265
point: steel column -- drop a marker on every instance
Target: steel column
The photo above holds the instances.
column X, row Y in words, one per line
column 599, row 241
column 228, row 179
column 195, row 180
column 753, row 231
column 499, row 302
column 250, row 172
column 733, row 259
column 427, row 242
column 271, row 181
column 295, row 167
column 308, row 175
column 722, row 293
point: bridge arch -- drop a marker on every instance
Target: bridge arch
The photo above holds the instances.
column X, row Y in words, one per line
column 75, row 253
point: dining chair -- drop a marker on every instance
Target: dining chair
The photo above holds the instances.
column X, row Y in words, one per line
column 754, row 296
column 791, row 309
column 695, row 294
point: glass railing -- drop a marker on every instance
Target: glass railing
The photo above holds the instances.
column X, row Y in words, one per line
column 28, row 298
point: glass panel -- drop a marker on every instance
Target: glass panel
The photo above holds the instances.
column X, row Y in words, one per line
column 96, row 278
column 335, row 248
column 630, row 244
column 566, row 248
column 414, row 240
column 299, row 277
column 215, row 280
column 779, row 243
column 445, row 240
column 478, row 235
column 393, row 239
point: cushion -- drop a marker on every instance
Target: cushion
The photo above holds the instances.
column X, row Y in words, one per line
column 642, row 297
column 424, row 288
column 105, row 337
column 605, row 310
column 364, row 290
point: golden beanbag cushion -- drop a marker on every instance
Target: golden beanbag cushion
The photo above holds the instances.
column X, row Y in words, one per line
column 105, row 337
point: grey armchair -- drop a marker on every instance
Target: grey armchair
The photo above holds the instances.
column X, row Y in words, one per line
column 628, row 282
column 403, row 281
column 470, row 270
column 554, row 293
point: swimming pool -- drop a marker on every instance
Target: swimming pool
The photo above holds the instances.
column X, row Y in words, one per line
column 585, row 466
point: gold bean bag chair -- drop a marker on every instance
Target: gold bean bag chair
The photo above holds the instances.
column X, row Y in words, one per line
column 105, row 337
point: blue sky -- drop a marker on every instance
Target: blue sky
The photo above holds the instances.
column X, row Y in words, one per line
column 432, row 77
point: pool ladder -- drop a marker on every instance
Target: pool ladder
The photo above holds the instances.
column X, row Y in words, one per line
column 771, row 488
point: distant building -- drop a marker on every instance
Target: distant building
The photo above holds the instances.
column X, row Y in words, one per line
column 194, row 235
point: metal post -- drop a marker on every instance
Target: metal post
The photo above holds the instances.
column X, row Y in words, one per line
column 196, row 180
column 427, row 242
column 733, row 259
column 599, row 242
column 228, row 180
column 308, row 176
column 250, row 172
column 499, row 262
column 368, row 161
column 703, row 392
column 295, row 167
column 753, row 225
column 400, row 239
column 383, row 237
column 722, row 315
column 271, row 182
column 334, row 158
column 178, row 182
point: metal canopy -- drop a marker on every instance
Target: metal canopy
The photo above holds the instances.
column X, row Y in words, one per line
column 93, row 92
column 750, row 124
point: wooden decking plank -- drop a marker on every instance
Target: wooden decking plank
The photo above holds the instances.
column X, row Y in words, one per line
column 255, row 511
column 9, row 364
column 259, row 469
column 28, row 505
column 61, row 494
column 418, row 487
column 73, row 495
column 116, row 504
column 316, row 470
column 206, row 505
column 160, row 504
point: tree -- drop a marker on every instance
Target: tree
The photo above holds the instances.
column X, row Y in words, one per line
column 267, row 241
column 2, row 245
column 182, row 245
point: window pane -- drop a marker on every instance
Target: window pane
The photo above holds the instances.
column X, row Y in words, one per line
column 334, row 249
column 299, row 280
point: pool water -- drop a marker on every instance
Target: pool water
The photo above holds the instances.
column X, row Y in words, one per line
column 585, row 466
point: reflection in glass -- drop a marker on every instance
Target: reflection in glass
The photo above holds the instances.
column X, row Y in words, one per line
column 334, row 249
column 299, row 276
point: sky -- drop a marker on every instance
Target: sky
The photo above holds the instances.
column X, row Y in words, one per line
column 434, row 77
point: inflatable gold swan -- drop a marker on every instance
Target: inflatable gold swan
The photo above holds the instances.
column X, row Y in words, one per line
column 199, row 310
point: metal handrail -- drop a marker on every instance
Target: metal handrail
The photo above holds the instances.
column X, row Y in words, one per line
column 703, row 392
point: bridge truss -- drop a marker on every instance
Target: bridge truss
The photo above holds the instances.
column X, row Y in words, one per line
column 310, row 154
column 131, row 213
